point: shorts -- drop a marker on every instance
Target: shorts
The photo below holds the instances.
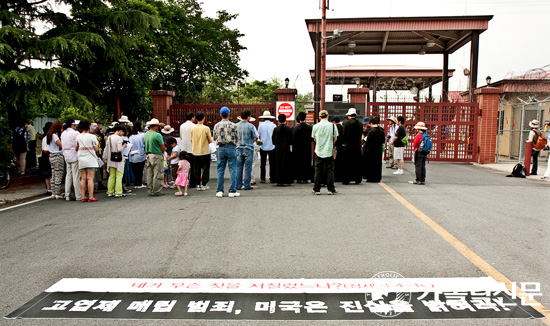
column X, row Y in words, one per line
column 398, row 153
column 89, row 169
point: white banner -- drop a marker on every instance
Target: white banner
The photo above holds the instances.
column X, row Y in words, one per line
column 413, row 285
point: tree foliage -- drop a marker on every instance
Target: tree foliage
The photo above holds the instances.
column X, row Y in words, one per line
column 102, row 50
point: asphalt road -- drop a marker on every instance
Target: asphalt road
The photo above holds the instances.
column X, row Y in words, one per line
column 273, row 232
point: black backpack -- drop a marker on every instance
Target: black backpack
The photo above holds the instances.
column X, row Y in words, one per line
column 518, row 171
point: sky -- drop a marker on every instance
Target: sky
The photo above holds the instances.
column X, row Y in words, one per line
column 278, row 44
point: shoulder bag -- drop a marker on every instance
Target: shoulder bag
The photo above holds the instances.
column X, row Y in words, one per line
column 115, row 156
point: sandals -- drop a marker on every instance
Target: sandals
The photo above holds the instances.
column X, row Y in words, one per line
column 84, row 200
column 179, row 193
column 93, row 199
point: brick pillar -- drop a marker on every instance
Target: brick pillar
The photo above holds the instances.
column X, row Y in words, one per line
column 358, row 95
column 162, row 100
column 286, row 94
column 487, row 128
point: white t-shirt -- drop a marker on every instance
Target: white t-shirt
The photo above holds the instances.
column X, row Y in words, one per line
column 175, row 149
column 45, row 146
column 86, row 153
column 53, row 145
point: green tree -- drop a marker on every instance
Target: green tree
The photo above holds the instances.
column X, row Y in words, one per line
column 191, row 52
column 302, row 100
column 260, row 91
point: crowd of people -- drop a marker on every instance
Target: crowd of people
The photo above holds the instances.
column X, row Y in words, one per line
column 78, row 155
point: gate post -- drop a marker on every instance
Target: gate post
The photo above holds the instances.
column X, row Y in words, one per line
column 286, row 94
column 487, row 127
column 162, row 100
column 358, row 95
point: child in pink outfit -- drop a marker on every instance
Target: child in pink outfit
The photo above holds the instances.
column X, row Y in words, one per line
column 183, row 174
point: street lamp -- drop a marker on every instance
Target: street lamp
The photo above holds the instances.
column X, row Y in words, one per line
column 287, row 81
column 488, row 80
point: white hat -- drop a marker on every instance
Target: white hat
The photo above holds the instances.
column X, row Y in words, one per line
column 113, row 124
column 420, row 125
column 167, row 130
column 266, row 115
column 351, row 111
column 252, row 119
column 392, row 118
column 153, row 122
column 534, row 123
column 123, row 119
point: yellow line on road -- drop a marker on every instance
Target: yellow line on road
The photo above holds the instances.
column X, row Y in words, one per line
column 469, row 254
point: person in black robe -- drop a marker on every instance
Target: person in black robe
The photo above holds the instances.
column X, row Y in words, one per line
column 339, row 161
column 373, row 146
column 282, row 139
column 301, row 149
column 352, row 152
column 366, row 128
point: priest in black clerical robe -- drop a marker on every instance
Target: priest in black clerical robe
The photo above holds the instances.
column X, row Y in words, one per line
column 301, row 150
column 282, row 139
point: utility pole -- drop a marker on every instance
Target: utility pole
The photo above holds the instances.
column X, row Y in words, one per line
column 324, row 8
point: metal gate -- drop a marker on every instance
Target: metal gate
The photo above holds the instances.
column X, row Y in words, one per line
column 178, row 112
column 451, row 126
column 513, row 127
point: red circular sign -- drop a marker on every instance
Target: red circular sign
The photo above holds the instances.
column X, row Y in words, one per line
column 286, row 109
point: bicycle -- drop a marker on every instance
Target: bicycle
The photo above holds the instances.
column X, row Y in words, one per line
column 5, row 177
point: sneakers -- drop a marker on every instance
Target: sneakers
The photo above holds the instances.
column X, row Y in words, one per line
column 202, row 188
column 334, row 192
column 119, row 196
column 416, row 182
column 179, row 193
column 317, row 193
column 234, row 194
column 398, row 172
column 219, row 194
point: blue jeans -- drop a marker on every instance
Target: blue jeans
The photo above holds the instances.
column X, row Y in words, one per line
column 227, row 156
column 245, row 157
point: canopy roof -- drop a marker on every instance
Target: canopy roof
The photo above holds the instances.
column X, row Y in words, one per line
column 384, row 77
column 399, row 35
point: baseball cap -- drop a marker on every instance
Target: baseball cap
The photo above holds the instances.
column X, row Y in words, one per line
column 224, row 110
column 323, row 114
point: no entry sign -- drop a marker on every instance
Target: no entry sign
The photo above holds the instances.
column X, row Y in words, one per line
column 286, row 108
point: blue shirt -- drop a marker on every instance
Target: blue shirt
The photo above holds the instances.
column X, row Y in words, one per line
column 245, row 135
column 265, row 130
column 138, row 145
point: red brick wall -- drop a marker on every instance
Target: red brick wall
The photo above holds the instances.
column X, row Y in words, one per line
column 286, row 94
column 161, row 105
column 358, row 95
column 488, row 99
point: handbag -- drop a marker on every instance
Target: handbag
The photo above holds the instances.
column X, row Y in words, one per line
column 115, row 156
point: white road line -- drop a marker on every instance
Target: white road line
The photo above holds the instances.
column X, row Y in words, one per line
column 23, row 204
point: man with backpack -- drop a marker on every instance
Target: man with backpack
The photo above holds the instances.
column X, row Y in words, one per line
column 398, row 143
column 422, row 145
